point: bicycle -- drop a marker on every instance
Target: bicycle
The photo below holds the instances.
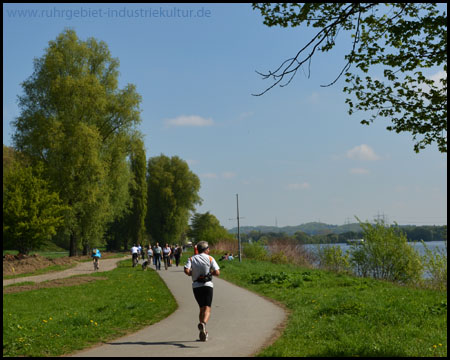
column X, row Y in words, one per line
column 95, row 263
column 135, row 260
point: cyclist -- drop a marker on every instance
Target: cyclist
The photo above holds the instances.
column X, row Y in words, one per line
column 166, row 254
column 134, row 254
column 96, row 255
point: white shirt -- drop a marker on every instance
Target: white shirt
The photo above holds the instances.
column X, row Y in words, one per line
column 201, row 265
column 134, row 250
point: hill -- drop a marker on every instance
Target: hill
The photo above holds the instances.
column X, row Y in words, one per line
column 312, row 228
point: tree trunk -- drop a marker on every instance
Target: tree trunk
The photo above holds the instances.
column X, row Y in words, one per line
column 73, row 245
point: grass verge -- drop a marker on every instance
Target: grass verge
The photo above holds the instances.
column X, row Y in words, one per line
column 340, row 315
column 62, row 320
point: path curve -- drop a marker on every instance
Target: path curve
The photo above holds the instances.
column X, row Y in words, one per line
column 241, row 323
column 80, row 269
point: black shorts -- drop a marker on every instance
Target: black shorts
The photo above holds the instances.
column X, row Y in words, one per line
column 203, row 295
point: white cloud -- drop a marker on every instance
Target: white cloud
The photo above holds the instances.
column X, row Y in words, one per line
column 245, row 115
column 313, row 98
column 359, row 171
column 228, row 175
column 362, row 152
column 437, row 77
column 301, row 186
column 191, row 120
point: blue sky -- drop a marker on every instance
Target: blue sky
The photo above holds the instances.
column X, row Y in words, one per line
column 293, row 155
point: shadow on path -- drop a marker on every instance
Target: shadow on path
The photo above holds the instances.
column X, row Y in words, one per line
column 180, row 344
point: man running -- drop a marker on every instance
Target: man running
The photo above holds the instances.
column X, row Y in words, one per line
column 201, row 267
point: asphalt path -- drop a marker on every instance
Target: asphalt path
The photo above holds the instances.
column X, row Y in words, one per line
column 241, row 323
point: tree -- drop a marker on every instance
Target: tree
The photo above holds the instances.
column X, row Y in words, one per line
column 206, row 227
column 402, row 39
column 76, row 120
column 31, row 211
column 172, row 196
column 138, row 191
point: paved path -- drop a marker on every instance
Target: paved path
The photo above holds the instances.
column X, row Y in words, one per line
column 241, row 323
column 81, row 268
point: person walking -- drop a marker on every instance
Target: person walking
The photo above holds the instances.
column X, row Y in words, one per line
column 166, row 254
column 149, row 255
column 202, row 267
column 157, row 256
column 178, row 251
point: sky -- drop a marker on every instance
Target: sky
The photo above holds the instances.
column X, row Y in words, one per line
column 293, row 155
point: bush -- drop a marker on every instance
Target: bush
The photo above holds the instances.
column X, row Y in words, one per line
column 385, row 254
column 283, row 251
column 435, row 263
column 331, row 258
column 254, row 251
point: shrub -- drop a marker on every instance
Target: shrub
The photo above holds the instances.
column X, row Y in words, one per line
column 284, row 251
column 386, row 254
column 435, row 263
column 254, row 251
column 331, row 258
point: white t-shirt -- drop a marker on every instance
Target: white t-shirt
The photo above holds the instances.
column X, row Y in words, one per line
column 201, row 265
column 134, row 250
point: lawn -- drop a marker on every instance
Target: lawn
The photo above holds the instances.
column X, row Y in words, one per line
column 61, row 320
column 334, row 315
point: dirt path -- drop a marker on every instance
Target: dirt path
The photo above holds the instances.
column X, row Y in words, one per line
column 81, row 268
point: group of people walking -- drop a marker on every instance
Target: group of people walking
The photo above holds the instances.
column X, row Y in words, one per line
column 155, row 255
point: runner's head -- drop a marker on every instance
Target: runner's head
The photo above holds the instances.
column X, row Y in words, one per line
column 202, row 246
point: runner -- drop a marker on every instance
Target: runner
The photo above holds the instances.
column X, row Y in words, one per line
column 201, row 267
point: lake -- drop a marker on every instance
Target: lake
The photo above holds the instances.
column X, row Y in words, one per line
column 432, row 245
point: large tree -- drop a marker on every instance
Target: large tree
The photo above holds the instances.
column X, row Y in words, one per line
column 172, row 196
column 395, row 41
column 206, row 227
column 138, row 192
column 31, row 211
column 76, row 120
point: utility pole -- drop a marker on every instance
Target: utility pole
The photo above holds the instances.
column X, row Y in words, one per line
column 238, row 228
column 239, row 235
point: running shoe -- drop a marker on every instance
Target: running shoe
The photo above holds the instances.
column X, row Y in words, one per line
column 203, row 334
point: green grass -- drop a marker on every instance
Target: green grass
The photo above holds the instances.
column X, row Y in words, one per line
column 334, row 315
column 61, row 320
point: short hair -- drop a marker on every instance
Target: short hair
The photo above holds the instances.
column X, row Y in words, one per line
column 202, row 246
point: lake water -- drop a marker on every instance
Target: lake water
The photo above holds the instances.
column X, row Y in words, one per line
column 432, row 245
